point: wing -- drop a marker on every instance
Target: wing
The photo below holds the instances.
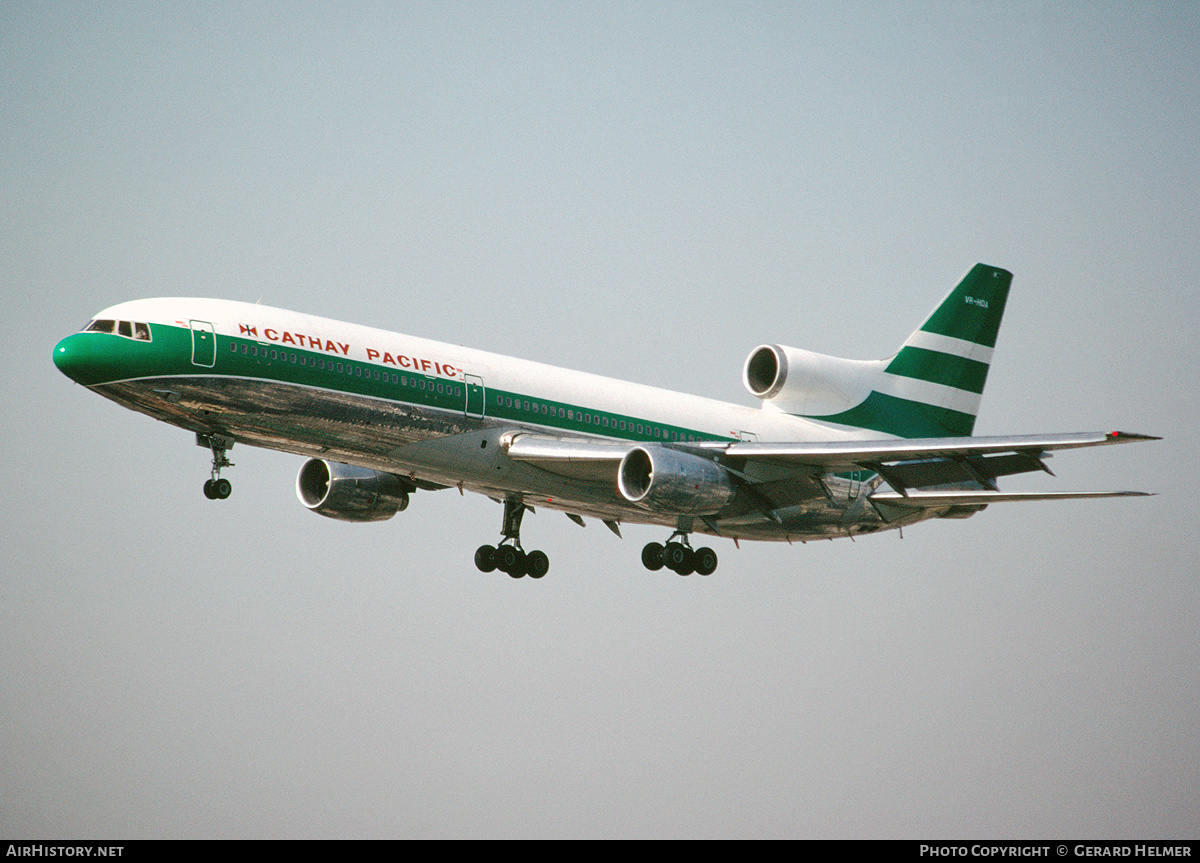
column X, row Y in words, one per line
column 925, row 473
column 782, row 474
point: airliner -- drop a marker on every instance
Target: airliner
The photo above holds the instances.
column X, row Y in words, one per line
column 837, row 448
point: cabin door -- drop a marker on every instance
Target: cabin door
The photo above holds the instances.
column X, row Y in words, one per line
column 204, row 344
column 476, row 398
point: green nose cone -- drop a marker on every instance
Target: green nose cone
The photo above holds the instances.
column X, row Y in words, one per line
column 74, row 358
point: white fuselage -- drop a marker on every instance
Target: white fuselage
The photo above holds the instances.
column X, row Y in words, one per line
column 426, row 410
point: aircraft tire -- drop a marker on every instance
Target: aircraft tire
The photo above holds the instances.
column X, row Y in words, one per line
column 652, row 556
column 208, row 490
column 485, row 558
column 676, row 556
column 706, row 561
column 222, row 489
column 510, row 560
column 537, row 564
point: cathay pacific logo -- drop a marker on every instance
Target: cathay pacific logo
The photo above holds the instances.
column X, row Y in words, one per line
column 374, row 355
column 286, row 338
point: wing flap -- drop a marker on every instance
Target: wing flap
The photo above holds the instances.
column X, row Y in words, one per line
column 948, row 471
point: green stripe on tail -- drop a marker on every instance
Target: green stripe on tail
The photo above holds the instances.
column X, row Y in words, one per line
column 932, row 386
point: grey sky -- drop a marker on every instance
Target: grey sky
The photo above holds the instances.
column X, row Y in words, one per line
column 646, row 191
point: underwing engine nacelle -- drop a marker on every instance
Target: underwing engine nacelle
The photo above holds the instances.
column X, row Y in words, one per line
column 350, row 493
column 668, row 481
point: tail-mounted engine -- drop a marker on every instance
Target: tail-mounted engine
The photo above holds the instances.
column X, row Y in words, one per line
column 668, row 481
column 350, row 493
column 803, row 382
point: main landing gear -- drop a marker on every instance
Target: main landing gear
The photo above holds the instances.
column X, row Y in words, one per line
column 679, row 556
column 508, row 556
column 217, row 488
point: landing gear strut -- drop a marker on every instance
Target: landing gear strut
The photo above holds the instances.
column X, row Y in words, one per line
column 679, row 556
column 217, row 488
column 508, row 556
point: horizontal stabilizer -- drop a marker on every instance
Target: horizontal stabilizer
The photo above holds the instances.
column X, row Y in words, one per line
column 848, row 455
column 938, row 499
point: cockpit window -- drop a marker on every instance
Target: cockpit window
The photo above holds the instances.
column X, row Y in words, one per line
column 135, row 330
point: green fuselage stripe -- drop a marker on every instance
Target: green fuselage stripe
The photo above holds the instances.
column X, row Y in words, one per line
column 170, row 353
column 903, row 417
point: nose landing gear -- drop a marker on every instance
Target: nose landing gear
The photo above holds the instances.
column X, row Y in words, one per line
column 217, row 488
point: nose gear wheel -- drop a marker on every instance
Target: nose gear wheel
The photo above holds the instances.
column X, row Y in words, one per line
column 217, row 488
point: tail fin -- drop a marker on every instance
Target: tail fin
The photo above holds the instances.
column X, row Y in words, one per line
column 932, row 387
column 942, row 367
